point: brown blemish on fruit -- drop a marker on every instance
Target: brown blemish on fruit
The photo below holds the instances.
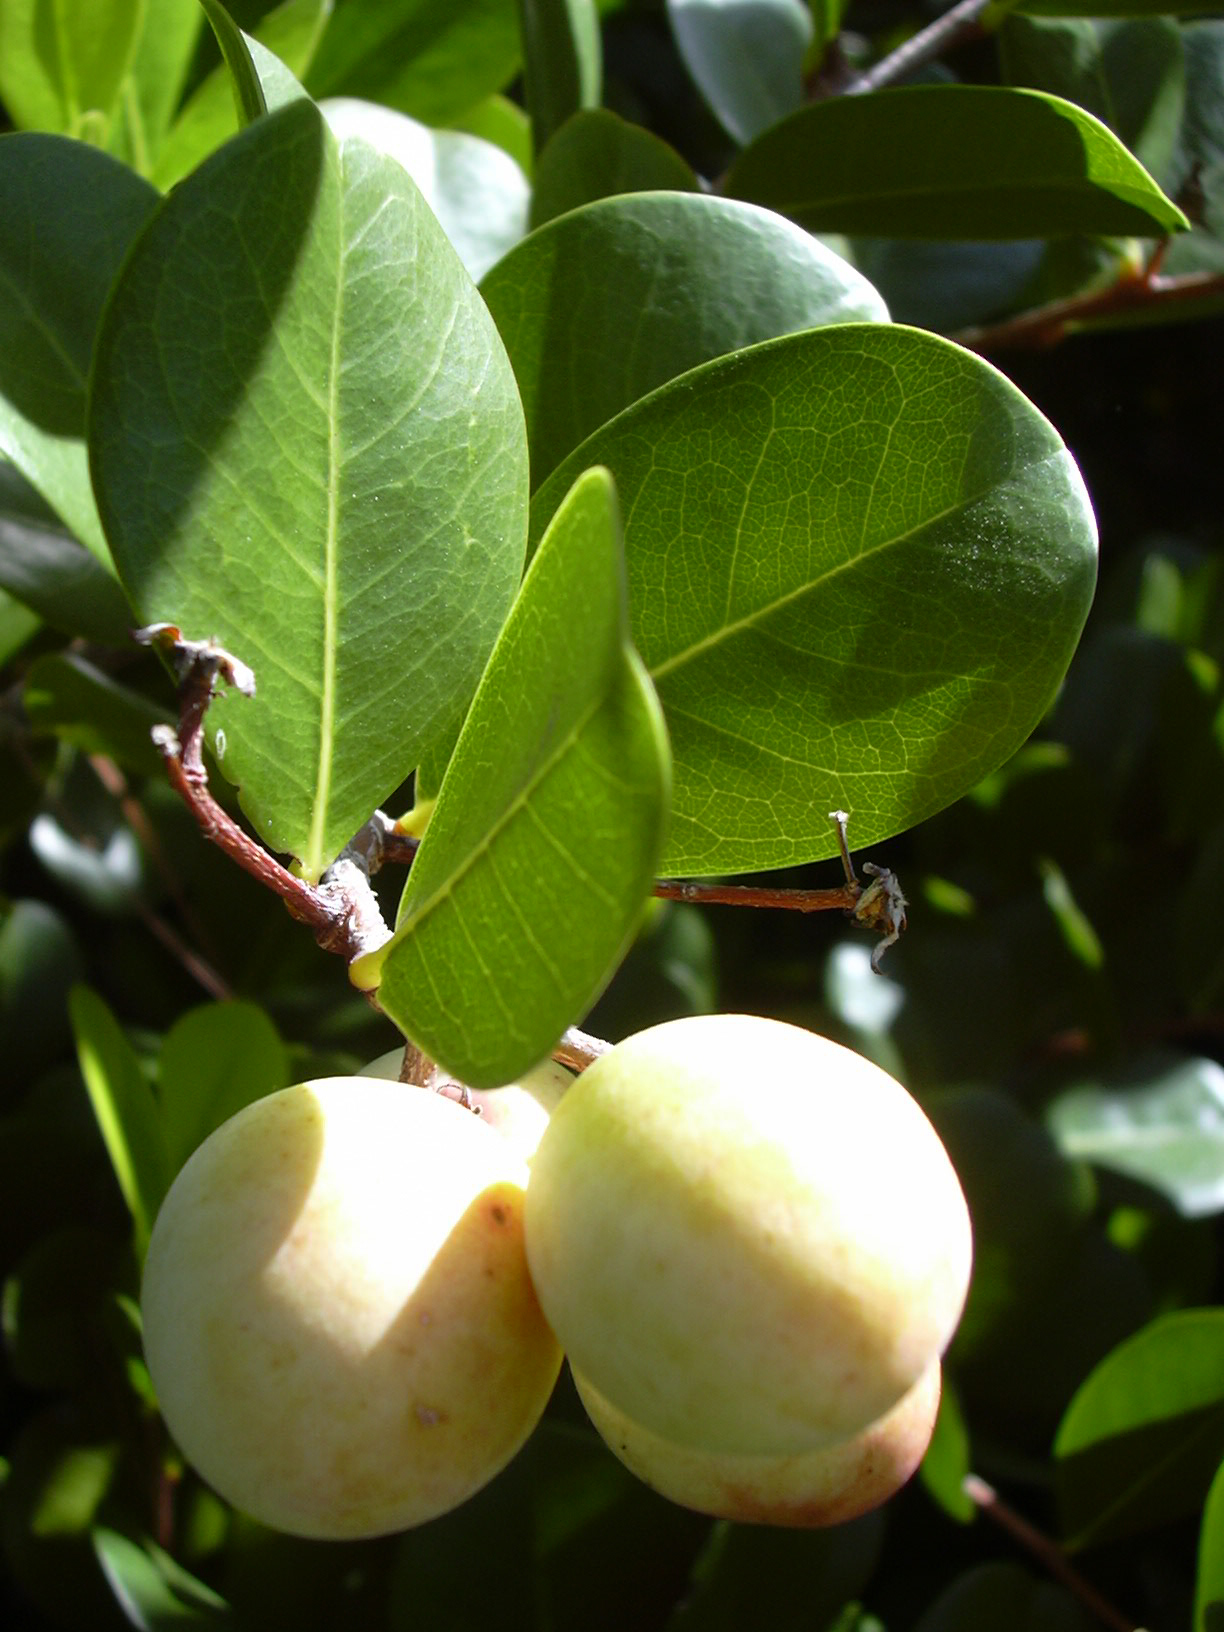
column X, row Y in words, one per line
column 429, row 1416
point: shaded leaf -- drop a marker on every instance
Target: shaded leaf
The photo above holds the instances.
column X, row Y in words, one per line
column 48, row 571
column 432, row 59
column 1141, row 1440
column 67, row 217
column 597, row 154
column 540, row 853
column 291, row 34
column 306, row 441
column 1005, row 1598
column 952, row 161
column 107, row 879
column 599, row 308
column 39, row 961
column 124, row 1107
column 66, row 695
column 477, row 192
column 745, row 56
column 214, row 1061
column 18, row 624
column 1163, row 1126
column 563, row 62
column 859, row 561
column 1198, row 164
column 248, row 94
column 946, row 1462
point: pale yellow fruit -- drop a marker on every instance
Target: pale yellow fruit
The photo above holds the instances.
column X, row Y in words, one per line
column 519, row 1111
column 807, row 1491
column 338, row 1317
column 747, row 1238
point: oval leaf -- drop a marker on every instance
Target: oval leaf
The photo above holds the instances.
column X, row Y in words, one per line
column 1166, row 1131
column 214, row 1061
column 477, row 192
column 1209, row 1584
column 45, row 568
column 859, row 561
column 952, row 161
column 67, row 217
column 306, row 441
column 597, row 154
column 628, row 293
column 745, row 56
column 1143, row 1436
column 540, row 853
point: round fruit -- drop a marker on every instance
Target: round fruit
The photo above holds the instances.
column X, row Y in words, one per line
column 806, row 1491
column 747, row 1238
column 519, row 1111
column 338, row 1317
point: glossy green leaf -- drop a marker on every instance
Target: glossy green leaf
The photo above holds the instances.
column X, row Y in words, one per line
column 307, row 442
column 946, row 1463
column 502, row 122
column 859, row 561
column 49, row 572
column 1209, row 1582
column 62, row 66
column 562, row 62
column 1141, row 1441
column 597, row 154
column 1130, row 73
column 72, row 699
column 155, row 1593
column 602, row 306
column 432, row 59
column 952, row 161
column 1165, row 1128
column 214, row 1061
column 67, row 217
column 250, row 103
column 477, row 192
column 745, row 56
column 1005, row 1598
column 291, row 33
column 124, row 1107
column 540, row 853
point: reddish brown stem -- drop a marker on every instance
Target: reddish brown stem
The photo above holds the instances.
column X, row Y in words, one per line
column 844, row 896
column 1047, row 1553
column 1049, row 325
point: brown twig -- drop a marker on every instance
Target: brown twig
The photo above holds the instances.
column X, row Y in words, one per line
column 961, row 23
column 1046, row 326
column 578, row 1049
column 1047, row 1552
column 341, row 911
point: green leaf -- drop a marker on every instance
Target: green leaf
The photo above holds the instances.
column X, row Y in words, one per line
column 477, row 192
column 291, row 35
column 154, row 1592
column 745, row 56
column 563, row 62
column 1141, row 1441
column 1164, row 1127
column 859, row 562
column 597, row 154
column 17, row 626
column 1110, row 8
column 149, row 95
column 244, row 78
column 433, row 59
column 124, row 1106
column 46, row 569
column 306, row 441
column 39, row 961
column 946, row 1463
column 540, row 853
column 1199, row 161
column 502, row 122
column 214, row 1061
column 62, row 66
column 1131, row 74
column 68, row 697
column 67, row 217
column 1005, row 1598
column 1209, row 1585
column 628, row 293
column 952, row 161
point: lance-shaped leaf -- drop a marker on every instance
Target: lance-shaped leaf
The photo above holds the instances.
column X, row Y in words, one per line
column 563, row 62
column 67, row 216
column 952, row 161
column 540, row 853
column 600, row 307
column 858, row 561
column 306, row 441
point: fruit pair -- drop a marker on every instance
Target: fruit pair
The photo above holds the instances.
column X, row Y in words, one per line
column 748, row 1240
